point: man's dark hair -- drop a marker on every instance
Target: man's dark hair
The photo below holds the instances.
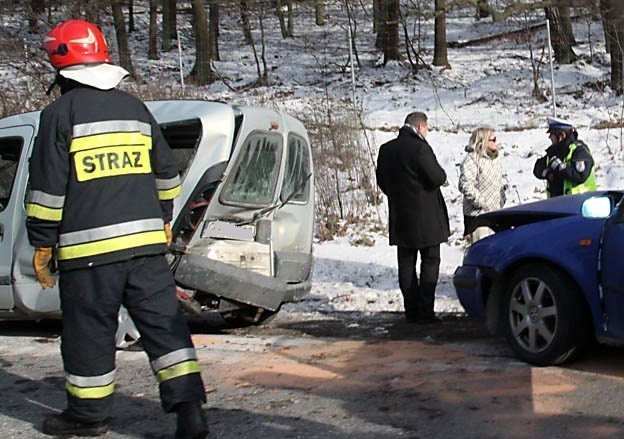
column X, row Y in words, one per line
column 416, row 118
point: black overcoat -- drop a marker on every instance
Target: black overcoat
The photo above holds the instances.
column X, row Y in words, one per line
column 410, row 176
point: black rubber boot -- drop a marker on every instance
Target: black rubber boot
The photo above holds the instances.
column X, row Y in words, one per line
column 191, row 421
column 59, row 425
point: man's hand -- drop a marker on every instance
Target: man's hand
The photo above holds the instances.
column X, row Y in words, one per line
column 41, row 259
column 168, row 234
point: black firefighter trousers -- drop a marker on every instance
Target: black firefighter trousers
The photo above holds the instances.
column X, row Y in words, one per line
column 90, row 301
column 418, row 294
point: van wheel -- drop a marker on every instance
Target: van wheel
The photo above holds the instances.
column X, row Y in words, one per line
column 248, row 316
column 545, row 317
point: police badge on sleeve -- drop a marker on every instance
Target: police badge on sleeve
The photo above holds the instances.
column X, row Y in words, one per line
column 579, row 166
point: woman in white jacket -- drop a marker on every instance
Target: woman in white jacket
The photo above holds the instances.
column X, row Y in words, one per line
column 481, row 181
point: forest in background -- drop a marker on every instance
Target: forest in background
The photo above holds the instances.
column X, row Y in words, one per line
column 145, row 37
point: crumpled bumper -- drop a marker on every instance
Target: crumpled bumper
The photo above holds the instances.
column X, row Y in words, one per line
column 237, row 284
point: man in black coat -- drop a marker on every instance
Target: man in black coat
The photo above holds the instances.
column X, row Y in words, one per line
column 410, row 176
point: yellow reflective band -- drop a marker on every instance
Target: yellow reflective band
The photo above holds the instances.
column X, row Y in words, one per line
column 90, row 392
column 169, row 194
column 112, row 244
column 110, row 139
column 44, row 213
column 180, row 369
column 112, row 161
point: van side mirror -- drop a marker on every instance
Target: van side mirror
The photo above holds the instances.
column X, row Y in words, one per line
column 597, row 207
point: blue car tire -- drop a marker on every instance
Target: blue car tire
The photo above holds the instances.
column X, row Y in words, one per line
column 544, row 315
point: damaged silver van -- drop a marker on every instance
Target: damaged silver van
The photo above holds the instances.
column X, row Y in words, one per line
column 242, row 225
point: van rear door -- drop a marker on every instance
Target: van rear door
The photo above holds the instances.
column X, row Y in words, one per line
column 13, row 144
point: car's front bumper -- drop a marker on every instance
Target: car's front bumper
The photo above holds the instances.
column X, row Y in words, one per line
column 468, row 283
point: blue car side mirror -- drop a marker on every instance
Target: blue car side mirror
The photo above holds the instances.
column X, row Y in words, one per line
column 596, row 207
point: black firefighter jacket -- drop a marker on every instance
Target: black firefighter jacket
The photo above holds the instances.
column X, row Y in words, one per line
column 410, row 175
column 102, row 179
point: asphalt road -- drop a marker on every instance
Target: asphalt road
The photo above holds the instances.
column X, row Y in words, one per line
column 341, row 375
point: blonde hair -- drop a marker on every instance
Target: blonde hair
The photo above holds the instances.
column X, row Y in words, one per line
column 479, row 140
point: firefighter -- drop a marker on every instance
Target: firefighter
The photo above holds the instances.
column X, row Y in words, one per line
column 568, row 166
column 102, row 183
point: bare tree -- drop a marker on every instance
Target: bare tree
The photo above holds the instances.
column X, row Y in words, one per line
column 440, row 54
column 377, row 16
column 201, row 73
column 131, row 27
column 263, row 75
column 245, row 8
column 287, row 30
column 152, row 51
column 319, row 12
column 125, row 60
column 291, row 21
column 168, row 23
column 483, row 10
column 213, row 30
column 352, row 23
column 561, row 31
column 388, row 29
column 613, row 20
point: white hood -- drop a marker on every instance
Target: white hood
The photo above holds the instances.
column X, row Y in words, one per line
column 103, row 76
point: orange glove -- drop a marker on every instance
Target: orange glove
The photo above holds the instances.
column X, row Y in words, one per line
column 41, row 259
column 168, row 234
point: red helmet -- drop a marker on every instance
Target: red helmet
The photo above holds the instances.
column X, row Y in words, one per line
column 76, row 42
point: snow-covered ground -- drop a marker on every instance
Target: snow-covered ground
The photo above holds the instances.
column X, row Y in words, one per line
column 488, row 84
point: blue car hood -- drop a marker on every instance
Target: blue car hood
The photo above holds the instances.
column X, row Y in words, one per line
column 544, row 210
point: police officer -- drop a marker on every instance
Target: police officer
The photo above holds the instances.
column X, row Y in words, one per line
column 568, row 166
column 102, row 183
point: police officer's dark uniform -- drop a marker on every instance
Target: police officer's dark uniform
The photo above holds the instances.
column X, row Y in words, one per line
column 102, row 183
column 568, row 166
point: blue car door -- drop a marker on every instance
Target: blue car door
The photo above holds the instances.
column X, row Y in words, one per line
column 612, row 277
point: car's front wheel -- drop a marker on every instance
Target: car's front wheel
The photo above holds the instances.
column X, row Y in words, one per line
column 545, row 318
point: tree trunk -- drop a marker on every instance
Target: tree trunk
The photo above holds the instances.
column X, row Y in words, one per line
column 201, row 72
column 213, row 29
column 440, row 55
column 166, row 25
column 561, row 40
column 391, row 30
column 378, row 23
column 319, row 12
column 613, row 16
column 245, row 8
column 131, row 27
column 483, row 10
column 566, row 20
column 125, row 60
column 173, row 19
column 291, row 23
column 280, row 15
column 152, row 52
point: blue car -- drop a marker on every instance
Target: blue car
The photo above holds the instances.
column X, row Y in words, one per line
column 551, row 279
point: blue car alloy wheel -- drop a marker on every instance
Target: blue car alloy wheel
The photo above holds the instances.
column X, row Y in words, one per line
column 545, row 318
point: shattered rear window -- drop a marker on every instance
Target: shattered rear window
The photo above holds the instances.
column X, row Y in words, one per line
column 254, row 176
